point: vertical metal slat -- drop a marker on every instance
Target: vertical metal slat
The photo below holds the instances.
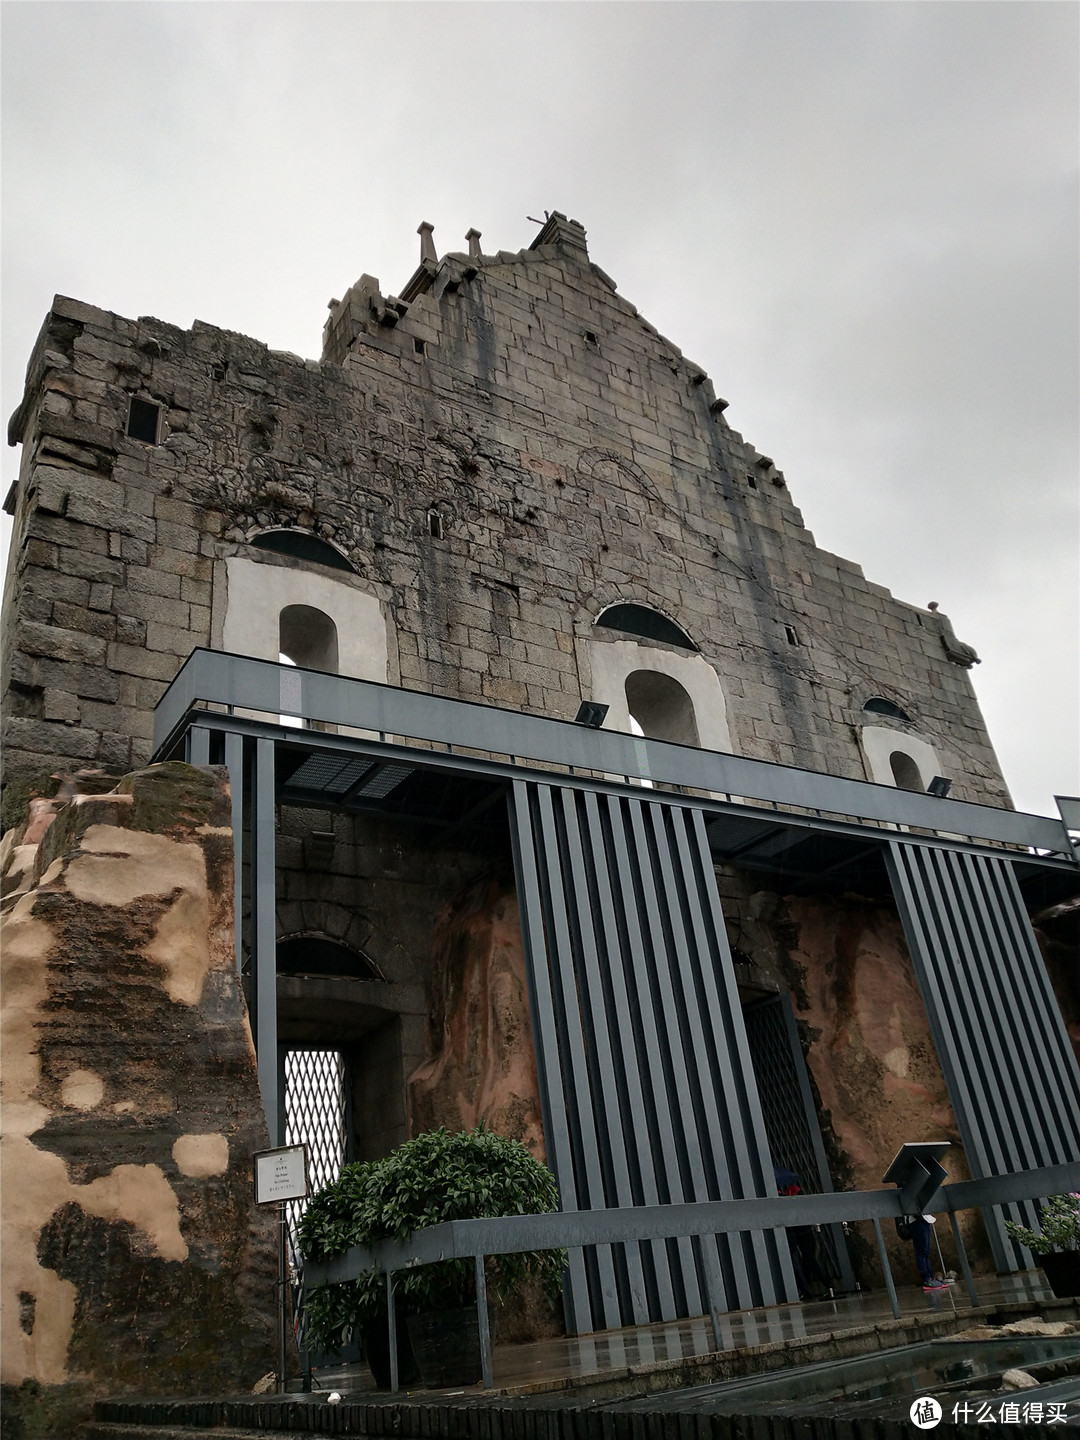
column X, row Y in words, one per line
column 633, row 1100
column 264, row 934
column 546, row 1047
column 575, row 1061
column 603, row 1027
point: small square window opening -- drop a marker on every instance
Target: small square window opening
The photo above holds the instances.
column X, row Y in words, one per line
column 434, row 524
column 144, row 419
column 792, row 637
column 418, row 346
column 751, row 482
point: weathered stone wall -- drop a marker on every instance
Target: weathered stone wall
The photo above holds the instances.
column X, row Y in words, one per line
column 134, row 1257
column 377, row 888
column 568, row 456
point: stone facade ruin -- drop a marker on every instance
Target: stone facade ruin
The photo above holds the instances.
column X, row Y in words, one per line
column 502, row 486
column 492, row 462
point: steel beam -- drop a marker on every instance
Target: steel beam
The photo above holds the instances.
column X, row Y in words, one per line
column 264, row 935
column 511, row 1235
column 234, row 761
column 212, row 677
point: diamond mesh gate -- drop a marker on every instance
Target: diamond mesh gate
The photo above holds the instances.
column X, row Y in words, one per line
column 315, row 1115
column 316, row 1105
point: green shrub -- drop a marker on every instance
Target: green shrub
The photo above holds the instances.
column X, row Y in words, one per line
column 1059, row 1217
column 437, row 1176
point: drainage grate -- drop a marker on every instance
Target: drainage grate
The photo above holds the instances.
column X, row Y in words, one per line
column 329, row 772
column 383, row 781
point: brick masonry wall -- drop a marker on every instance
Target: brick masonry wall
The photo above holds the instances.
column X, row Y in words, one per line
column 574, row 457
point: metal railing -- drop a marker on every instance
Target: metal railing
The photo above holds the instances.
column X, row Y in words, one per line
column 565, row 1230
column 237, row 682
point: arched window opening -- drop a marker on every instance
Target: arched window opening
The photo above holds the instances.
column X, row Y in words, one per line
column 302, row 545
column 315, row 955
column 308, row 637
column 906, row 774
column 661, row 707
column 647, row 624
column 878, row 705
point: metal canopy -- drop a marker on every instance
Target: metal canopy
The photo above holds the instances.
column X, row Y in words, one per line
column 645, row 1076
column 363, row 708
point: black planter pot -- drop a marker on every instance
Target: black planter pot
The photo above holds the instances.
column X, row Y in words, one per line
column 376, row 1339
column 446, row 1344
column 1062, row 1270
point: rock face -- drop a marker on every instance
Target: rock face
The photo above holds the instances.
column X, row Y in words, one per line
column 871, row 1055
column 482, row 1065
column 131, row 1107
column 874, row 1061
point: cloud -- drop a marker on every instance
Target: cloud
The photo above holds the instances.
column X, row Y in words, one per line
column 861, row 219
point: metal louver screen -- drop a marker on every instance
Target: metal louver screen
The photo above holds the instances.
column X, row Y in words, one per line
column 643, row 1062
column 1012, row 1076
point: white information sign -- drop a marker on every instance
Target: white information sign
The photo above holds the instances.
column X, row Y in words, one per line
column 281, row 1174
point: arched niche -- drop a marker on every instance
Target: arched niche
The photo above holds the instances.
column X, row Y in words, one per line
column 308, row 637
column 878, row 705
column 645, row 623
column 893, row 757
column 905, row 772
column 259, row 593
column 661, row 706
column 317, row 955
column 612, row 663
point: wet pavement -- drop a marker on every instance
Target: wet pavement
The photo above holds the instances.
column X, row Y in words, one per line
column 584, row 1362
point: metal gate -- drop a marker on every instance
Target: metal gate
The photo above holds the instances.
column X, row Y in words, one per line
column 315, row 1105
column 642, row 1058
column 791, row 1121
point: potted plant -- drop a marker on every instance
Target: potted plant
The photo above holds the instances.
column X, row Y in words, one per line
column 435, row 1177
column 1058, row 1246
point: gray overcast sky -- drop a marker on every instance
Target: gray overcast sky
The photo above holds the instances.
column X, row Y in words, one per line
column 860, row 218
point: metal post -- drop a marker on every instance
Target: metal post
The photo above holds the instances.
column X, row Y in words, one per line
column 234, row 760
column 961, row 1250
column 391, row 1321
column 887, row 1268
column 263, row 936
column 283, row 1279
column 713, row 1285
column 198, row 746
column 482, row 1323
column 941, row 1262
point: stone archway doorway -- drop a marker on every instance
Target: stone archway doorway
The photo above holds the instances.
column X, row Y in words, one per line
column 340, row 1041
